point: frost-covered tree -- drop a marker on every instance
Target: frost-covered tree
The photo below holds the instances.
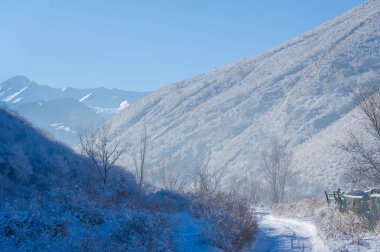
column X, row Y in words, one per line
column 139, row 159
column 170, row 177
column 277, row 170
column 365, row 145
column 97, row 146
column 207, row 179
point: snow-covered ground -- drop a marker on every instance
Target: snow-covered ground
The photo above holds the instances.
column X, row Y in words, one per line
column 285, row 234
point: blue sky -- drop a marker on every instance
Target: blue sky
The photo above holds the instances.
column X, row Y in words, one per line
column 144, row 45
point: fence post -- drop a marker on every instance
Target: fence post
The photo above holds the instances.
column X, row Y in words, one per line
column 375, row 209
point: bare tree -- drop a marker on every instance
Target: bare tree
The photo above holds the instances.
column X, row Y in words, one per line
column 207, row 180
column 139, row 159
column 96, row 144
column 277, row 170
column 251, row 188
column 170, row 177
column 365, row 145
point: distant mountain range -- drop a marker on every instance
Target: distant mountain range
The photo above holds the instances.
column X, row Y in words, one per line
column 62, row 111
column 298, row 91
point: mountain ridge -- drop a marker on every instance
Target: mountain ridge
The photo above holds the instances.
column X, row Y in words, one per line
column 42, row 104
column 114, row 95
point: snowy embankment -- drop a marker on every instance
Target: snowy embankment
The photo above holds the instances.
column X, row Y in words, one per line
column 285, row 234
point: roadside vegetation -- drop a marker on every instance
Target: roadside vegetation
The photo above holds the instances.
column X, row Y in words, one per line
column 55, row 199
column 342, row 231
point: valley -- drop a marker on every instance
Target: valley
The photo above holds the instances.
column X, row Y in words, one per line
column 278, row 151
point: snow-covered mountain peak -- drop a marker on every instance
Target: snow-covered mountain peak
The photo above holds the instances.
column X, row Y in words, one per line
column 44, row 105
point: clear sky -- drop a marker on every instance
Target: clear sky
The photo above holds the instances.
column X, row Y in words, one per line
column 141, row 44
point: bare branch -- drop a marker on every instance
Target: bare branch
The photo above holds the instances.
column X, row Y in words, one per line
column 365, row 146
column 97, row 146
column 139, row 160
column 206, row 180
column 277, row 170
column 170, row 177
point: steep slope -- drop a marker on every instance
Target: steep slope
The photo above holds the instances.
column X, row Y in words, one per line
column 292, row 92
column 322, row 160
column 53, row 199
column 31, row 161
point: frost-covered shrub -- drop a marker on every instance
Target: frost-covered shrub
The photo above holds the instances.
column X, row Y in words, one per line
column 23, row 227
column 376, row 233
column 337, row 225
column 164, row 200
column 303, row 208
column 144, row 231
column 232, row 223
column 222, row 231
column 89, row 217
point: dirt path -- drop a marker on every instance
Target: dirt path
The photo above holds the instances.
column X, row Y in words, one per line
column 283, row 234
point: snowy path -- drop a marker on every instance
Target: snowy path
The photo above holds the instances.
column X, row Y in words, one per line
column 187, row 234
column 282, row 234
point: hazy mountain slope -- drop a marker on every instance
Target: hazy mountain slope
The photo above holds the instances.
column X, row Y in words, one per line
column 62, row 111
column 293, row 91
column 320, row 157
column 60, row 117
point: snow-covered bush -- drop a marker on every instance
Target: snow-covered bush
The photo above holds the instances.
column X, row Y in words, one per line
column 164, row 200
column 144, row 231
column 18, row 229
column 89, row 217
column 303, row 209
column 232, row 223
column 340, row 226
